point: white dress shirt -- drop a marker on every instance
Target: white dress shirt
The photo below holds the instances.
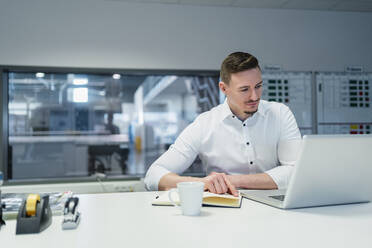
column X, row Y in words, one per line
column 226, row 144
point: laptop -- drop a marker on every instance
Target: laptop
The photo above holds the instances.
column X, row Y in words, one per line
column 330, row 170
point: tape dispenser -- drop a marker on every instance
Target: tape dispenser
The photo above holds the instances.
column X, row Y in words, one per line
column 34, row 215
column 71, row 217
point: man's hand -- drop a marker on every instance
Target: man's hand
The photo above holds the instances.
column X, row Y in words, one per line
column 219, row 183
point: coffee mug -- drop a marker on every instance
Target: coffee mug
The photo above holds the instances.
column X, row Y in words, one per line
column 190, row 197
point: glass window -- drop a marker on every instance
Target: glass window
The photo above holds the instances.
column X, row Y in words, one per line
column 64, row 125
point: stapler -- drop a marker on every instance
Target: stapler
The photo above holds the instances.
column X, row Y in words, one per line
column 34, row 215
column 71, row 217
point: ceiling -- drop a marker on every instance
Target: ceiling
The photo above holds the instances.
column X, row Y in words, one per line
column 326, row 5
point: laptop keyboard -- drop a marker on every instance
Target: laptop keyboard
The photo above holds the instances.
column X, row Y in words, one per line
column 278, row 197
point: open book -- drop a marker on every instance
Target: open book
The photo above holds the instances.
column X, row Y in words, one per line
column 209, row 199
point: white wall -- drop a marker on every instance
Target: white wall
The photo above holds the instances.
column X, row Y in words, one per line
column 98, row 33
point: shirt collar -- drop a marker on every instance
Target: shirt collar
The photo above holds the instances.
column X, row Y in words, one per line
column 226, row 111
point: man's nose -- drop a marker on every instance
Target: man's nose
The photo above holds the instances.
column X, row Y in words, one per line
column 254, row 95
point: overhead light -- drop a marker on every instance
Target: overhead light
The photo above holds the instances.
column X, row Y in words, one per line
column 116, row 76
column 80, row 81
column 40, row 74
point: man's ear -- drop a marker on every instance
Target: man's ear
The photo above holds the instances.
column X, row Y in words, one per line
column 222, row 86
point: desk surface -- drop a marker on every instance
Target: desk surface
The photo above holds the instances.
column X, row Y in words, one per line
column 129, row 220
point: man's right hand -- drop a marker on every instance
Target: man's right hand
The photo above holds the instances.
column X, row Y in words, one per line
column 219, row 184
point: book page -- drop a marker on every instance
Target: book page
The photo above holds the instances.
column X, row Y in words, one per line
column 222, row 200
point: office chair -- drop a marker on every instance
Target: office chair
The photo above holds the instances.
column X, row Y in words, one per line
column 96, row 164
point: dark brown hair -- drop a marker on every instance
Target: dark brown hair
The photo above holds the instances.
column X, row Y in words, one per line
column 237, row 62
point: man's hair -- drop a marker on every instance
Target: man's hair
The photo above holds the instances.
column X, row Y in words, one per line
column 237, row 62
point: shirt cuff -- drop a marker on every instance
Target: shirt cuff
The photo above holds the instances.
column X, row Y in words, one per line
column 153, row 176
column 281, row 175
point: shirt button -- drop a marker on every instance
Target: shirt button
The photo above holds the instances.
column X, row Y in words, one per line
column 243, row 124
column 233, row 116
column 247, row 143
column 251, row 162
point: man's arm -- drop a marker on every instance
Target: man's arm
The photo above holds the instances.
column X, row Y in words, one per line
column 221, row 183
column 172, row 162
column 164, row 172
column 253, row 181
column 218, row 183
column 170, row 180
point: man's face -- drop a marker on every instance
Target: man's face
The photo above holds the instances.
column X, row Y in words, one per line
column 243, row 92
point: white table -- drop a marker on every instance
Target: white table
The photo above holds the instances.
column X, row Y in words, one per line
column 129, row 220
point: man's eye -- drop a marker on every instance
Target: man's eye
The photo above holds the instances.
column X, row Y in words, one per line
column 242, row 90
column 258, row 86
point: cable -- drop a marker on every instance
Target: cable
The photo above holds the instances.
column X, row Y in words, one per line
column 98, row 178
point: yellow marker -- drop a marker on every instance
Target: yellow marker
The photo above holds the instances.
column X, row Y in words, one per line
column 138, row 143
column 31, row 202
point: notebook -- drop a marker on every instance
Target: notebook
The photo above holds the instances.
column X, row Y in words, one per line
column 209, row 199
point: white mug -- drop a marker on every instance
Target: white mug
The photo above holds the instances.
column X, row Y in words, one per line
column 190, row 197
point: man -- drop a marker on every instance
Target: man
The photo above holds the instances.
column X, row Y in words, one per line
column 237, row 141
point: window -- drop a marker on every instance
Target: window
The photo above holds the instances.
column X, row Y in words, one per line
column 69, row 124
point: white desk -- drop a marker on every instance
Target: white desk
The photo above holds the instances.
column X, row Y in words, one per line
column 129, row 220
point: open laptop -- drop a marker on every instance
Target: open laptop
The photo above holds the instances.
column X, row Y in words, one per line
column 330, row 170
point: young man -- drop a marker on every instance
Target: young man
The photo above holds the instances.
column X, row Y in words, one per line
column 237, row 141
